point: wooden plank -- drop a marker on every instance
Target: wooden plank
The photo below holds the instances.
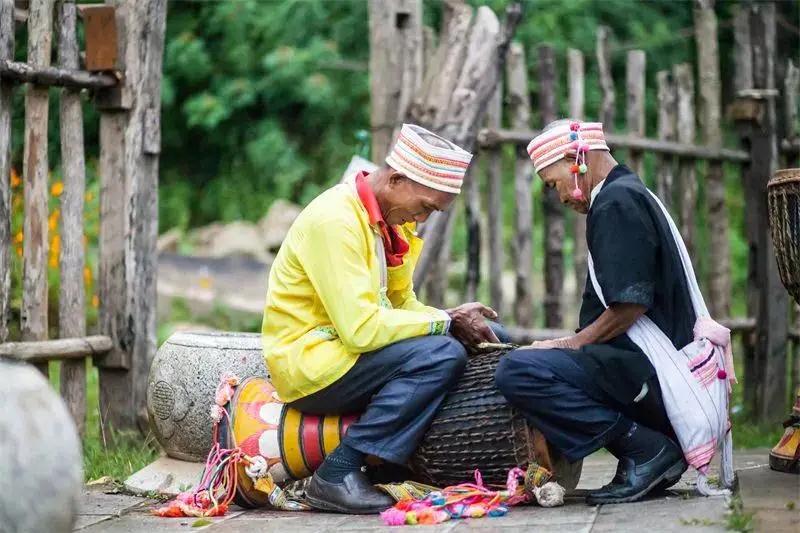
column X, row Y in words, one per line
column 708, row 76
column 520, row 117
column 576, row 83
column 35, row 175
column 6, row 99
column 495, row 206
column 687, row 180
column 466, row 103
column 606, row 79
column 144, row 66
column 743, row 50
column 395, row 65
column 100, row 29
column 634, row 111
column 772, row 318
column 552, row 211
column 489, row 138
column 439, row 279
column 68, row 348
column 474, row 220
column 71, row 310
column 54, row 76
column 667, row 126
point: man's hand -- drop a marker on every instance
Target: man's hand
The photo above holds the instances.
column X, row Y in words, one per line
column 567, row 343
column 468, row 324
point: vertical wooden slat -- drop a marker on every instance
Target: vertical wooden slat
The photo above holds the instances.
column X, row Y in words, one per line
column 520, row 118
column 606, row 80
column 395, row 65
column 129, row 215
column 634, row 111
column 553, row 213
column 439, row 279
column 743, row 49
column 791, row 88
column 687, row 181
column 474, row 221
column 708, row 76
column 6, row 94
column 772, row 310
column 71, row 311
column 35, row 172
column 667, row 117
column 495, row 204
column 575, row 80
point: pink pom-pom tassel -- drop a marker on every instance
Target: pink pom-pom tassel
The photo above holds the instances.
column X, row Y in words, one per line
column 393, row 517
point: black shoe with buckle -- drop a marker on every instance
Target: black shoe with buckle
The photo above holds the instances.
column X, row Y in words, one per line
column 355, row 495
column 635, row 481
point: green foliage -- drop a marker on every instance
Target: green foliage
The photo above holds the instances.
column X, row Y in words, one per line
column 254, row 105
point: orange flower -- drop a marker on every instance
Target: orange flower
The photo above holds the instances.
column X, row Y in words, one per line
column 53, row 261
column 19, row 237
column 15, row 181
column 55, row 245
column 57, row 188
column 89, row 196
column 95, row 301
column 87, row 276
column 19, row 251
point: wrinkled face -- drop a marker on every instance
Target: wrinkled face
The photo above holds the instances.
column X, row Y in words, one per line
column 410, row 201
column 559, row 177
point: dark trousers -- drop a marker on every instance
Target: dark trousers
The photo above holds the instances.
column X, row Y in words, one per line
column 561, row 400
column 398, row 389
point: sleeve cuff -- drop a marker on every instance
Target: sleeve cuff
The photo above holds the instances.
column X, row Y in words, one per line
column 440, row 325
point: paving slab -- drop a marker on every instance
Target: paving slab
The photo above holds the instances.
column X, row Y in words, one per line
column 166, row 476
column 773, row 497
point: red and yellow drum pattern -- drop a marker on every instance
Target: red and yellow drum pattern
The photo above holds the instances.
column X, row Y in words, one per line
column 293, row 443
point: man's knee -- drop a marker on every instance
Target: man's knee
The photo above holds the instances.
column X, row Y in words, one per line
column 449, row 356
column 522, row 368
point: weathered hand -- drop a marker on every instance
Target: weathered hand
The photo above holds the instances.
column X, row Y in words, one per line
column 469, row 326
column 569, row 343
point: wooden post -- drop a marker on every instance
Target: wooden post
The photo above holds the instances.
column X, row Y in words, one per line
column 71, row 310
column 743, row 48
column 395, row 66
column 575, row 80
column 553, row 213
column 606, row 80
column 791, row 87
column 495, row 204
column 767, row 300
column 708, row 76
column 635, row 113
column 474, row 220
column 456, row 111
column 35, row 172
column 667, row 101
column 6, row 94
column 130, row 144
column 686, row 132
column 520, row 115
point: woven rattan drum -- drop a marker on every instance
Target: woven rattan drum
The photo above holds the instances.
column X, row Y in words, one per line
column 784, row 218
column 476, row 428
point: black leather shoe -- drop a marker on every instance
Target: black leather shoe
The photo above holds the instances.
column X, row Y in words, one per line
column 356, row 495
column 621, row 474
column 664, row 469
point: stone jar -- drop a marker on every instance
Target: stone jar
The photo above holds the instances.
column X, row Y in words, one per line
column 183, row 378
column 41, row 468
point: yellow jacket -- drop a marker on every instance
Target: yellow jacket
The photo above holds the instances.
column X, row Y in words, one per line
column 331, row 297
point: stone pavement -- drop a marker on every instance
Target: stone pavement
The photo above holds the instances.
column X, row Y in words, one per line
column 679, row 509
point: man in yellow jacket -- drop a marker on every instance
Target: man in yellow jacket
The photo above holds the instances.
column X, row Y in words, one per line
column 343, row 331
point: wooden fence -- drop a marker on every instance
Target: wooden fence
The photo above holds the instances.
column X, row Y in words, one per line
column 765, row 144
column 122, row 70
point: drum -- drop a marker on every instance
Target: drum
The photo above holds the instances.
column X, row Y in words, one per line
column 476, row 428
column 784, row 219
column 294, row 444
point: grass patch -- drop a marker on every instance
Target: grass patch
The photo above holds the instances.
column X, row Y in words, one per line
column 130, row 451
column 738, row 518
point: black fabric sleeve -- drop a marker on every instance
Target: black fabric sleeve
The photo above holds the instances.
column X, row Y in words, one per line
column 624, row 246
